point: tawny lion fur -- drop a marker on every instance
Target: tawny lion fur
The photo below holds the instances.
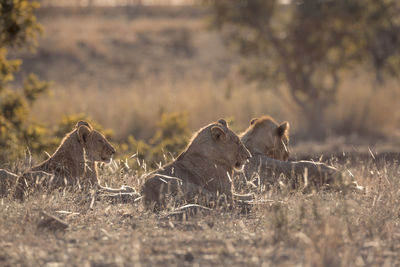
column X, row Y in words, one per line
column 74, row 161
column 266, row 136
column 295, row 174
column 268, row 142
column 203, row 170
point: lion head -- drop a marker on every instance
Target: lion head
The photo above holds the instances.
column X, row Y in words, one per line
column 96, row 146
column 267, row 137
column 204, row 168
column 66, row 166
column 220, row 144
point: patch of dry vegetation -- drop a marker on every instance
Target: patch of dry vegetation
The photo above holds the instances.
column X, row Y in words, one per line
column 323, row 228
column 124, row 67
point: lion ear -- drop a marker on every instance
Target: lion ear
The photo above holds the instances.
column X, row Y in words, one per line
column 218, row 133
column 223, row 122
column 283, row 129
column 83, row 133
column 252, row 121
column 80, row 123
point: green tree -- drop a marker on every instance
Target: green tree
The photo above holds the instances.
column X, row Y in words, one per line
column 18, row 29
column 306, row 44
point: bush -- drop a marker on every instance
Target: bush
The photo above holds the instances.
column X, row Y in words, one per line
column 168, row 141
column 18, row 29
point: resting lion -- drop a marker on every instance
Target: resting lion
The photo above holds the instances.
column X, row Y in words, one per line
column 203, row 170
column 304, row 175
column 73, row 163
column 268, row 143
column 265, row 136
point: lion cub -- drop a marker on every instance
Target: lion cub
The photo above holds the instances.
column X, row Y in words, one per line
column 265, row 136
column 267, row 141
column 73, row 163
column 203, row 170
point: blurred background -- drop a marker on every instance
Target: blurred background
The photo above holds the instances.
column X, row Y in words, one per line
column 149, row 73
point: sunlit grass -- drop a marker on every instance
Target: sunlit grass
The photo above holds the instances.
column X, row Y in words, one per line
column 124, row 69
column 123, row 72
column 321, row 228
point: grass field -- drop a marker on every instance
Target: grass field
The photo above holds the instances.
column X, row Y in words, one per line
column 289, row 229
column 124, row 67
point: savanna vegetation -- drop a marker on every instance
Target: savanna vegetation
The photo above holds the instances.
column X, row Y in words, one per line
column 147, row 77
column 307, row 45
column 124, row 67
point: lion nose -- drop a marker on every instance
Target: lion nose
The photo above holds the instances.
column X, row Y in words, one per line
column 113, row 150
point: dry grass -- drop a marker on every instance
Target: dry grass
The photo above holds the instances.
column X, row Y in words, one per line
column 320, row 229
column 125, row 66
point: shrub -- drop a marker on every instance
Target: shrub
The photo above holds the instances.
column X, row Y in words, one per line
column 171, row 138
column 18, row 29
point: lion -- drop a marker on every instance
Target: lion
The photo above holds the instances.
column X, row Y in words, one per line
column 265, row 136
column 73, row 163
column 267, row 141
column 203, row 170
column 304, row 175
column 263, row 170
